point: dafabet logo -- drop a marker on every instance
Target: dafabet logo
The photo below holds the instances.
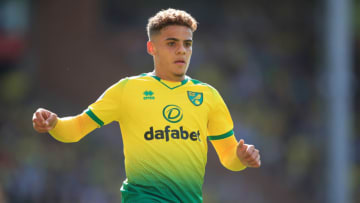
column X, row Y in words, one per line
column 168, row 133
column 173, row 113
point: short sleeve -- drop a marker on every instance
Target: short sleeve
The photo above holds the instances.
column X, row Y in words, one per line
column 220, row 124
column 108, row 107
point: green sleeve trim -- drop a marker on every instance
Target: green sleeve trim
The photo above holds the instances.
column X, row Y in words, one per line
column 223, row 136
column 94, row 117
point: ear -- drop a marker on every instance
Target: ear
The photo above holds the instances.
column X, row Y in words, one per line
column 150, row 48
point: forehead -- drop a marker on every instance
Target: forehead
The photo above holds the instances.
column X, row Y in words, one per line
column 176, row 31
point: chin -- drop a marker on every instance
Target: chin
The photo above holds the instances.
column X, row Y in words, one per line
column 180, row 73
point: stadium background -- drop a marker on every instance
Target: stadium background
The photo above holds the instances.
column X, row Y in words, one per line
column 265, row 57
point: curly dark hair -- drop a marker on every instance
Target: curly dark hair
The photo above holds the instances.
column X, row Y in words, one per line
column 170, row 17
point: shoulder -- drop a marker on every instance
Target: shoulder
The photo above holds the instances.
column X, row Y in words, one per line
column 133, row 80
column 204, row 86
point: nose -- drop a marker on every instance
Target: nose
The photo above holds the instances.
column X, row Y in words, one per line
column 181, row 50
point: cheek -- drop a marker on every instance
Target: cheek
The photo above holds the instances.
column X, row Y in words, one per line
column 161, row 52
column 189, row 52
column 164, row 56
column 189, row 49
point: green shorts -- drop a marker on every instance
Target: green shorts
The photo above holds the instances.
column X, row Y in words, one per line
column 133, row 193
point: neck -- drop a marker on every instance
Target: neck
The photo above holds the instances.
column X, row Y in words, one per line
column 169, row 76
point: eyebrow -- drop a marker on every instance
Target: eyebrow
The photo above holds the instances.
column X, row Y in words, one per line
column 175, row 39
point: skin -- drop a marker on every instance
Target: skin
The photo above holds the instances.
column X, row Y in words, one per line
column 44, row 120
column 171, row 49
column 248, row 154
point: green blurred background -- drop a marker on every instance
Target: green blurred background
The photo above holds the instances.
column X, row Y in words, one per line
column 265, row 57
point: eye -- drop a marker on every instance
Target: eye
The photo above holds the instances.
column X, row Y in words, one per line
column 171, row 44
column 188, row 44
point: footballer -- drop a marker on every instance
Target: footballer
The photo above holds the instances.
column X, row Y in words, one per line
column 165, row 119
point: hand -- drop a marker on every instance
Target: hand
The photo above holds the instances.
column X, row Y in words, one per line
column 248, row 155
column 44, row 120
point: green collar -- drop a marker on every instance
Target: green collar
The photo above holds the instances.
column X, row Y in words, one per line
column 182, row 82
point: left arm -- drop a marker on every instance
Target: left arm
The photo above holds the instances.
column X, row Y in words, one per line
column 236, row 156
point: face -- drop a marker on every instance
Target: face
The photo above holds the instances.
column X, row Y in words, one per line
column 171, row 49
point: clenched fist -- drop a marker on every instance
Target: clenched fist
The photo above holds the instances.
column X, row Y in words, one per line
column 44, row 120
column 248, row 155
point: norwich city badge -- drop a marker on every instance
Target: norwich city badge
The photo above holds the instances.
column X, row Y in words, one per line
column 195, row 97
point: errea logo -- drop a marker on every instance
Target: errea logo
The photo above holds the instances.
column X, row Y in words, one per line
column 148, row 94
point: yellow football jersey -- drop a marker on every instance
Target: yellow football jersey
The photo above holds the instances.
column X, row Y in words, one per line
column 165, row 126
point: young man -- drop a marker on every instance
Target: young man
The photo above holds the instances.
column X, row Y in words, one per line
column 165, row 118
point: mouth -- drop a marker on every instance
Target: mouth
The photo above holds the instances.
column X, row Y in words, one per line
column 180, row 62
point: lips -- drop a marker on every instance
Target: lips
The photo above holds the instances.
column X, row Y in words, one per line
column 180, row 61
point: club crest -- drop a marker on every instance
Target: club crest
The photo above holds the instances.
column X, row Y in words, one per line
column 195, row 97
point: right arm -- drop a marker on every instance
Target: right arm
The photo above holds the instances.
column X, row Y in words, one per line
column 106, row 109
column 68, row 129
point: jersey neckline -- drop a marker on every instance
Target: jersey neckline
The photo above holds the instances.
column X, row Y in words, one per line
column 166, row 83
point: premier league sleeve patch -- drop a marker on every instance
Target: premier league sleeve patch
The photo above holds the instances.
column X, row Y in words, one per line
column 196, row 98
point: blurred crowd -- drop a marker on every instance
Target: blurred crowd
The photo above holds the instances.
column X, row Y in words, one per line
column 265, row 58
